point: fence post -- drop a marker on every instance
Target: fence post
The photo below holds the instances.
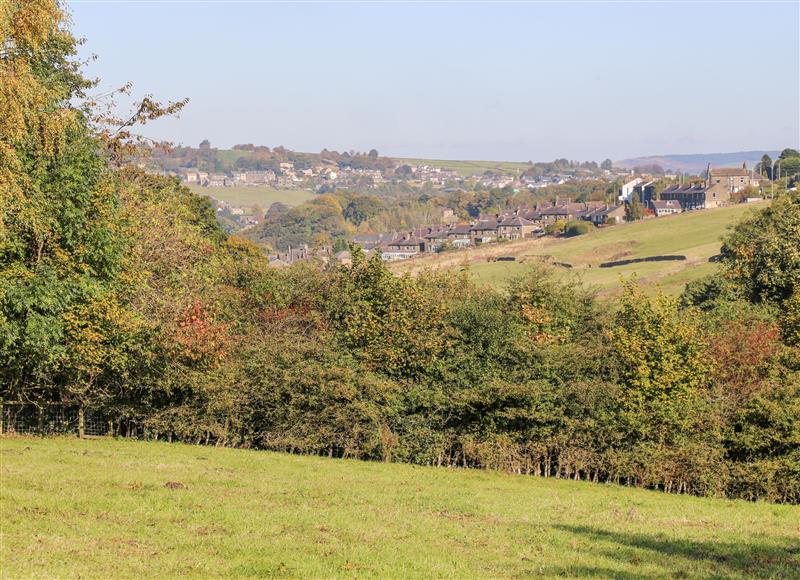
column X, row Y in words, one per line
column 81, row 423
column 2, row 415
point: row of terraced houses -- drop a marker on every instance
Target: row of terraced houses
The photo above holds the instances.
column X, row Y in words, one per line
column 509, row 225
column 530, row 222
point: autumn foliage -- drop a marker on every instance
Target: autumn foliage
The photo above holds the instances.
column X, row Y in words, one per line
column 120, row 293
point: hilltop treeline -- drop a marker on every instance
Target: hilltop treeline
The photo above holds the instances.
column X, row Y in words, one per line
column 260, row 158
column 120, row 293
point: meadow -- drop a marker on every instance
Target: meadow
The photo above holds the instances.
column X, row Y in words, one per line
column 262, row 197
column 696, row 235
column 120, row 508
column 230, row 156
column 467, row 168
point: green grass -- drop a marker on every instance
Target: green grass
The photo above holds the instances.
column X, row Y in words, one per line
column 232, row 155
column 255, row 196
column 696, row 235
column 466, row 168
column 101, row 509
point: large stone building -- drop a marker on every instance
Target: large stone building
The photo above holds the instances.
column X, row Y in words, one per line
column 695, row 196
column 730, row 179
column 716, row 191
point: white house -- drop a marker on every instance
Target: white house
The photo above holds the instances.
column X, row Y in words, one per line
column 626, row 191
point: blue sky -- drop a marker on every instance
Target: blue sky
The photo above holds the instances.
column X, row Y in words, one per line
column 506, row 81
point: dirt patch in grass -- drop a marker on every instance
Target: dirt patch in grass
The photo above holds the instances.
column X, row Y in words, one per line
column 174, row 485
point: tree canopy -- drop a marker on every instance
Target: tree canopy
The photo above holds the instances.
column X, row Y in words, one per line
column 121, row 294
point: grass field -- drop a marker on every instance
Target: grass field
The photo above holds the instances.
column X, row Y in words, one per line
column 231, row 155
column 115, row 508
column 255, row 196
column 466, row 168
column 693, row 234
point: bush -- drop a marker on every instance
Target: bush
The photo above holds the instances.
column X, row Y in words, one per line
column 577, row 228
column 555, row 228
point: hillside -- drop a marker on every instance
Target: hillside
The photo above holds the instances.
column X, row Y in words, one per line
column 695, row 235
column 697, row 162
column 116, row 508
column 466, row 168
column 255, row 196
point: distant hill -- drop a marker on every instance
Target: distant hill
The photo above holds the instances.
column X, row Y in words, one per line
column 697, row 162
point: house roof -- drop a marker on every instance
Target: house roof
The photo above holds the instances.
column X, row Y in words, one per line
column 531, row 214
column 516, row 221
column 460, row 229
column 484, row 225
column 729, row 172
column 557, row 210
column 693, row 188
column 406, row 241
column 436, row 234
column 665, row 204
column 605, row 211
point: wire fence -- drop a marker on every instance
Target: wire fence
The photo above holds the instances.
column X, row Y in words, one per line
column 50, row 419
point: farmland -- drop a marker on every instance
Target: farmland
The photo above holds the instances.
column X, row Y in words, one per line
column 467, row 168
column 119, row 508
column 695, row 235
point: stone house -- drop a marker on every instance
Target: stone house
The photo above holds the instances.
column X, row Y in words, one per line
column 484, row 231
column 460, row 236
column 696, row 196
column 515, row 228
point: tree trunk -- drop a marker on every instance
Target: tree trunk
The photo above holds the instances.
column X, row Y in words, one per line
column 81, row 423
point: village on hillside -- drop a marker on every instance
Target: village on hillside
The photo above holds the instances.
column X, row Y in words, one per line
column 280, row 168
column 561, row 216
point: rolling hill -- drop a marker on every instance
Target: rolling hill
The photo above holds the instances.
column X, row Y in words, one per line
column 693, row 234
column 697, row 162
column 108, row 508
column 466, row 168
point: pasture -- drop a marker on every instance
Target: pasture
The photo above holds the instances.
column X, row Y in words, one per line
column 696, row 235
column 467, row 168
column 106, row 508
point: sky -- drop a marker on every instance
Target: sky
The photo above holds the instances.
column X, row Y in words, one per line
column 459, row 80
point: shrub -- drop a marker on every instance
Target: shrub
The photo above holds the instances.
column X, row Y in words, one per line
column 577, row 228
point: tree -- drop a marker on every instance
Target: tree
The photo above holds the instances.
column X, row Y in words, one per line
column 766, row 165
column 60, row 248
column 373, row 154
column 577, row 228
column 788, row 167
column 552, row 310
column 633, row 209
column 404, row 171
column 762, row 254
column 607, row 165
column 787, row 153
column 556, row 227
column 391, row 324
column 362, row 208
column 662, row 364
